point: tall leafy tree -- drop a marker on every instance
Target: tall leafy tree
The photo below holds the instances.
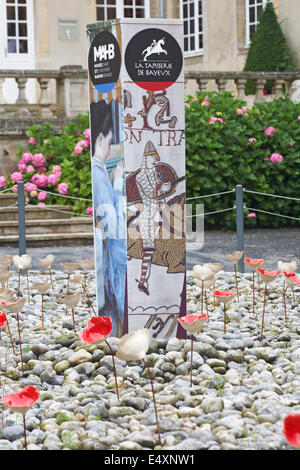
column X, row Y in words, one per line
column 269, row 50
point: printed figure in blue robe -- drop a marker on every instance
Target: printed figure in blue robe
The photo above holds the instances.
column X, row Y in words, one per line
column 110, row 223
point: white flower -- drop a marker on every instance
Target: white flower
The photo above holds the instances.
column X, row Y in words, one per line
column 47, row 262
column 71, row 300
column 203, row 272
column 134, row 346
column 22, row 262
column 42, row 287
column 287, row 267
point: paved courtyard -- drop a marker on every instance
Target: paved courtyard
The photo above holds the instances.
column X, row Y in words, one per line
column 272, row 245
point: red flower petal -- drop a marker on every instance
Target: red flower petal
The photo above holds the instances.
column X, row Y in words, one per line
column 291, row 429
column 98, row 329
column 254, row 261
column 25, row 398
column 223, row 293
column 191, row 318
column 3, row 319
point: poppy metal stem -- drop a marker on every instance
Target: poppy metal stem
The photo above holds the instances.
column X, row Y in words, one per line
column 224, row 317
column 154, row 402
column 73, row 318
column 214, row 288
column 114, row 368
column 206, row 305
column 192, row 347
column 10, row 337
column 284, row 303
column 263, row 314
column 253, row 290
column 88, row 299
column 25, row 438
column 19, row 282
column 258, row 283
column 19, row 333
column 50, row 275
column 202, row 282
column 42, row 311
column 236, row 282
column 68, row 284
column 28, row 291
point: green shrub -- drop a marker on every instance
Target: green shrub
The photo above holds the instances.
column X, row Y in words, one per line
column 269, row 51
column 219, row 156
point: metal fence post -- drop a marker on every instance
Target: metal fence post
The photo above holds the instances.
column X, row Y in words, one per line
column 240, row 224
column 21, row 216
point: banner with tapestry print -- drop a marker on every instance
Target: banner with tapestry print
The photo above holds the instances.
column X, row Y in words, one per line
column 147, row 151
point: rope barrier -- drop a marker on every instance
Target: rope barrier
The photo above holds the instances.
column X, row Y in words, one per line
column 272, row 195
column 271, row 213
column 210, row 195
column 210, row 213
column 5, row 190
column 9, row 207
column 65, row 196
column 56, row 210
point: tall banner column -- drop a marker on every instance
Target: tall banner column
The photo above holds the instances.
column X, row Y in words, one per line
column 138, row 171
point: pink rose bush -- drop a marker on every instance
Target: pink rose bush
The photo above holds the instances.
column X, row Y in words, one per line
column 276, row 158
column 252, row 139
column 16, row 176
column 215, row 119
column 89, row 211
column 63, row 188
column 270, row 131
column 2, row 182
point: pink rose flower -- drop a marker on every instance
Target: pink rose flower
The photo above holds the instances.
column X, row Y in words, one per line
column 78, row 150
column 205, row 102
column 241, row 111
column 2, row 182
column 16, row 176
column 52, row 179
column 57, row 170
column 32, row 141
column 298, row 118
column 270, row 131
column 15, row 188
column 42, row 196
column 63, row 188
column 87, row 135
column 252, row 139
column 42, row 169
column 276, row 158
column 30, row 187
column 187, row 105
column 26, row 157
column 30, row 168
column 41, row 181
column 251, row 215
column 39, row 160
column 33, row 193
column 22, row 166
column 41, row 204
column 89, row 211
column 215, row 119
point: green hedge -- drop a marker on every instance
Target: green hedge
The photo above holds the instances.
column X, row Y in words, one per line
column 219, row 156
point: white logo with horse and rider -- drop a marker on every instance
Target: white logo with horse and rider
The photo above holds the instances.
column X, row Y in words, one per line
column 155, row 48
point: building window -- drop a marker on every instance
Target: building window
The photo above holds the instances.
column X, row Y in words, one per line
column 16, row 24
column 192, row 15
column 110, row 9
column 253, row 10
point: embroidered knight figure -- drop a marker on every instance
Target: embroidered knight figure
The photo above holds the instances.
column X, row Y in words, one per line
column 151, row 189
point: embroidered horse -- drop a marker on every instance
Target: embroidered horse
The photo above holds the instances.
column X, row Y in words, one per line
column 155, row 48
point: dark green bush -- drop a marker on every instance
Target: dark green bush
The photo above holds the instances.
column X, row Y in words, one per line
column 269, row 51
column 219, row 156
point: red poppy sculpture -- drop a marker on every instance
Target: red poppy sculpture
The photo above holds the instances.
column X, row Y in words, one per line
column 267, row 277
column 3, row 323
column 291, row 429
column 254, row 264
column 193, row 324
column 98, row 329
column 225, row 297
column 21, row 402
